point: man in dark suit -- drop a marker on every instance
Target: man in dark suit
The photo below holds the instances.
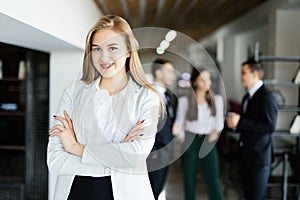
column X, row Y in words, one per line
column 256, row 125
column 161, row 154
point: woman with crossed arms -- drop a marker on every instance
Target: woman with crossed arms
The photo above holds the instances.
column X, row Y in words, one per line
column 105, row 124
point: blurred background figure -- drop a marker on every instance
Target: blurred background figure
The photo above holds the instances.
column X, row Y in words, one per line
column 203, row 120
column 161, row 155
column 256, row 125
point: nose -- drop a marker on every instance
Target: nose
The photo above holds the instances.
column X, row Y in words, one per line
column 104, row 56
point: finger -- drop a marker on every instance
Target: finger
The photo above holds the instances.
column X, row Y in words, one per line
column 135, row 128
column 136, row 131
column 127, row 139
column 132, row 138
column 135, row 138
column 56, row 133
column 71, row 124
column 57, row 127
column 69, row 120
column 140, row 121
column 63, row 120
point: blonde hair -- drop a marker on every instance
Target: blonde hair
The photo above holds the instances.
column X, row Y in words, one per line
column 133, row 63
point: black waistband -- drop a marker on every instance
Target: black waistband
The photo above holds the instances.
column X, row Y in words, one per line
column 92, row 188
column 103, row 178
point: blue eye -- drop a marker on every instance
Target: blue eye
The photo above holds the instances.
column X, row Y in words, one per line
column 96, row 49
column 113, row 48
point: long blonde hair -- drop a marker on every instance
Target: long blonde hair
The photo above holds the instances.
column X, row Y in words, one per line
column 133, row 63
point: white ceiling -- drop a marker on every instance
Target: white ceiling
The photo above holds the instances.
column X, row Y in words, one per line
column 17, row 33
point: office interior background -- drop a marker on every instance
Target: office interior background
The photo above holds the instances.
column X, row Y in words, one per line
column 41, row 51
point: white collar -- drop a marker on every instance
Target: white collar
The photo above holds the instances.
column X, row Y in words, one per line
column 161, row 89
column 252, row 90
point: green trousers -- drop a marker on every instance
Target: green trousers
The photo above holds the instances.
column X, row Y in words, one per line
column 210, row 169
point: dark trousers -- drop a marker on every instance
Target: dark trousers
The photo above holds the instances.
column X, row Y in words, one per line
column 91, row 188
column 210, row 169
column 254, row 181
column 157, row 180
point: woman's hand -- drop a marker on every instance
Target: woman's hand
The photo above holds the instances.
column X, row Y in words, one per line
column 213, row 136
column 135, row 132
column 67, row 135
column 175, row 129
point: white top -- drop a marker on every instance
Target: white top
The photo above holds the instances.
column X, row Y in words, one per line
column 101, row 122
column 205, row 122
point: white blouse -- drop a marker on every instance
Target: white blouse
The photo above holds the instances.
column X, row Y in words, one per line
column 205, row 122
column 101, row 122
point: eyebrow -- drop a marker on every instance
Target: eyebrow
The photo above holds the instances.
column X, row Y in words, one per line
column 112, row 44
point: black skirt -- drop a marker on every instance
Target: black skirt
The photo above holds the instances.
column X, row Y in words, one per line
column 92, row 188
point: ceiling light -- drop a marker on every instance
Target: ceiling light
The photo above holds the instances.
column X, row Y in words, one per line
column 160, row 50
column 171, row 35
column 164, row 44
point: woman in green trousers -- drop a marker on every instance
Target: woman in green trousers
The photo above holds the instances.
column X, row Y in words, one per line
column 199, row 121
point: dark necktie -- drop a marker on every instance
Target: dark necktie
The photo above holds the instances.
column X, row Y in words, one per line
column 246, row 100
column 168, row 105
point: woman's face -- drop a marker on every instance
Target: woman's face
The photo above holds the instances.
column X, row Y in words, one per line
column 109, row 53
column 203, row 81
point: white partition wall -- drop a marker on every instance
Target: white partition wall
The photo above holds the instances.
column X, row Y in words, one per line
column 56, row 27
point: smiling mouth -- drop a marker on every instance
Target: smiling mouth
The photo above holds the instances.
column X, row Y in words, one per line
column 106, row 66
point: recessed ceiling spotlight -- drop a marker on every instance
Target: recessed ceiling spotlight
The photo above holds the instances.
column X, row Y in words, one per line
column 160, row 50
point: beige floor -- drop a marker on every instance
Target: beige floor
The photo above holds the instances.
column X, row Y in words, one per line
column 174, row 186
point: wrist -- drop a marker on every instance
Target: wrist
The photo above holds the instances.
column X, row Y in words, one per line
column 76, row 149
